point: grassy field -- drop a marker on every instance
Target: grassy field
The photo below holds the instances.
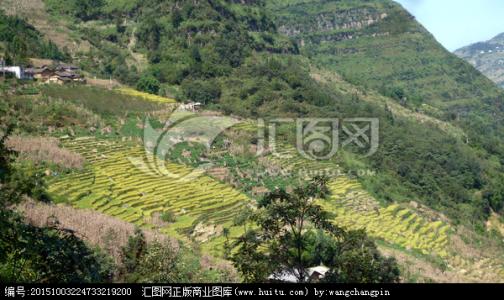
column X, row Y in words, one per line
column 103, row 101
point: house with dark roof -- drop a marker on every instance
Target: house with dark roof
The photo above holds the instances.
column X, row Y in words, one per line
column 60, row 74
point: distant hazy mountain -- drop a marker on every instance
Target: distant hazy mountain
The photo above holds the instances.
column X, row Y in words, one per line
column 488, row 57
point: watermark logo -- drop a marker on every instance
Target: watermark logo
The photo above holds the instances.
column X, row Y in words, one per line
column 317, row 139
column 321, row 138
column 363, row 133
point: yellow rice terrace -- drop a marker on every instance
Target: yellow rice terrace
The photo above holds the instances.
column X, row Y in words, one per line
column 112, row 184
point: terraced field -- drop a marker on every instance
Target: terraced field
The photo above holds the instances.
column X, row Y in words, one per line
column 113, row 185
column 288, row 157
column 355, row 209
column 145, row 96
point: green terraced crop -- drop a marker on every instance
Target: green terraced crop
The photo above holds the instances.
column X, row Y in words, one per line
column 355, row 209
column 112, row 184
column 288, row 157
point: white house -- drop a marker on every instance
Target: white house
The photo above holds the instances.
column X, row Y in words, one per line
column 191, row 106
column 16, row 70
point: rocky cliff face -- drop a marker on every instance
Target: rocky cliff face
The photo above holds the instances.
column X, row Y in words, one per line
column 487, row 57
column 332, row 26
column 315, row 22
column 351, row 19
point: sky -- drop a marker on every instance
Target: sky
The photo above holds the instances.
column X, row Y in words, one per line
column 458, row 23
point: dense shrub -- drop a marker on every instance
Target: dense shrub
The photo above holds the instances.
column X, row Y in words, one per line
column 149, row 84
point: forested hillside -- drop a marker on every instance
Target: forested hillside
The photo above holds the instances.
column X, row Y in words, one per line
column 20, row 40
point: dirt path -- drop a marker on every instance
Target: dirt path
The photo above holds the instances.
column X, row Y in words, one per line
column 139, row 59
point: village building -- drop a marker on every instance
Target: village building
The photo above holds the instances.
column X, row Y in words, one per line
column 191, row 106
column 45, row 71
column 59, row 74
column 39, row 73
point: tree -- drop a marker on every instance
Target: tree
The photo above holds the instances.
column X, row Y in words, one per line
column 149, row 33
column 47, row 255
column 132, row 253
column 6, row 159
column 164, row 262
column 16, row 182
column 226, row 232
column 149, row 84
column 87, row 9
column 159, row 264
column 356, row 259
column 494, row 194
column 195, row 54
column 280, row 241
column 18, row 49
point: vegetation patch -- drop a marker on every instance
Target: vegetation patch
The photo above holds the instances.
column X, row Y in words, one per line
column 145, row 96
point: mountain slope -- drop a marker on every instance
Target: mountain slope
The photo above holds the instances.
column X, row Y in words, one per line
column 378, row 45
column 487, row 57
column 440, row 120
column 440, row 140
column 18, row 40
column 374, row 41
column 34, row 12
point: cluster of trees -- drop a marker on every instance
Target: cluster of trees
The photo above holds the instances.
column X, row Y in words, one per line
column 273, row 85
column 82, row 9
column 197, row 44
column 162, row 262
column 148, row 83
column 23, row 41
column 401, row 96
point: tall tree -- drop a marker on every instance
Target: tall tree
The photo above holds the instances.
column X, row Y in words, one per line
column 281, row 239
